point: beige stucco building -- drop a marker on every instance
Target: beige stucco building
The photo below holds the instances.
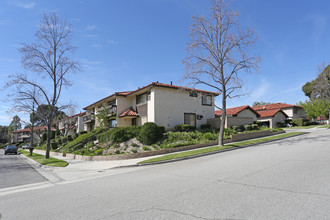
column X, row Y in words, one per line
column 272, row 117
column 164, row 104
column 242, row 115
column 292, row 111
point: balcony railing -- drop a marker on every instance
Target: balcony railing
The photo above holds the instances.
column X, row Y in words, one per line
column 111, row 109
column 88, row 118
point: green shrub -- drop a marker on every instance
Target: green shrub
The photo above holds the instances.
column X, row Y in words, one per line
column 96, row 130
column 299, row 121
column 254, row 127
column 52, row 134
column 82, row 132
column 307, row 123
column 210, row 136
column 70, row 137
column 53, row 144
column 64, row 139
column 99, row 151
column 184, row 127
column 162, row 128
column 120, row 134
column 146, row 149
column 241, row 128
column 259, row 123
column 81, row 138
column 281, row 124
column 247, row 127
column 150, row 133
column 205, row 126
column 235, row 128
column 44, row 137
column 227, row 132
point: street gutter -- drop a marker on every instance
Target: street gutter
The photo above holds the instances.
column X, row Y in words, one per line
column 214, row 152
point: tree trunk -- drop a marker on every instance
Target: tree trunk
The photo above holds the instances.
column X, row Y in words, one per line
column 48, row 140
column 223, row 118
column 31, row 146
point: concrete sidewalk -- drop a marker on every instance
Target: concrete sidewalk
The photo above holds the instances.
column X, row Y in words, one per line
column 81, row 170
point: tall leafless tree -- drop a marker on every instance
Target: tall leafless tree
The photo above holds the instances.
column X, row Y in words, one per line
column 49, row 57
column 26, row 101
column 218, row 52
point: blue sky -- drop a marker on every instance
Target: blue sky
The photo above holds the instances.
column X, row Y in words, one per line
column 123, row 45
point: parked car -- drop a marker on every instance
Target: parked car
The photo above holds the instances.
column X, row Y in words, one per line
column 11, row 149
column 27, row 146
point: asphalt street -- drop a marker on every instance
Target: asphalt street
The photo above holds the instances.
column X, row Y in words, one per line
column 286, row 179
column 15, row 171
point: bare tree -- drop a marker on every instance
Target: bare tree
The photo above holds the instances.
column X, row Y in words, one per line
column 49, row 57
column 218, row 52
column 25, row 101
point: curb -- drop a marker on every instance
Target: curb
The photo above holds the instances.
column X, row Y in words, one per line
column 215, row 152
column 42, row 170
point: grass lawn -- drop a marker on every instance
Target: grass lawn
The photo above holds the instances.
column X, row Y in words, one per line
column 325, row 126
column 53, row 162
column 302, row 127
column 217, row 148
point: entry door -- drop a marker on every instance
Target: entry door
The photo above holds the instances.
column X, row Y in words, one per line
column 190, row 119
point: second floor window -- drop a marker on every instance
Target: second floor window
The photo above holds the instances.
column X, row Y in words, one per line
column 206, row 100
column 141, row 99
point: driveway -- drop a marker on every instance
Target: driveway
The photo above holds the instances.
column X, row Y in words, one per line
column 15, row 171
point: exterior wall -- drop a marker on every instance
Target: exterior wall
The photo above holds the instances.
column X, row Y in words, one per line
column 214, row 122
column 170, row 106
column 151, row 106
column 289, row 112
column 80, row 124
column 123, row 103
column 295, row 112
column 278, row 117
column 247, row 113
column 231, row 121
column 238, row 121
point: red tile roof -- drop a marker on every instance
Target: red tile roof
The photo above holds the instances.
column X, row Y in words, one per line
column 235, row 111
column 29, row 129
column 151, row 85
column 274, row 106
column 129, row 112
column 270, row 113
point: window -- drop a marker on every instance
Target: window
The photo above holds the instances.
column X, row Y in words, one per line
column 193, row 94
column 111, row 103
column 190, row 119
column 141, row 99
column 133, row 121
column 206, row 100
column 112, row 123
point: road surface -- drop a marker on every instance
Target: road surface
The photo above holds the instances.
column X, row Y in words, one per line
column 287, row 179
column 15, row 171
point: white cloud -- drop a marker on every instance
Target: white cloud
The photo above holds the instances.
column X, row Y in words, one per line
column 97, row 45
column 3, row 59
column 26, row 5
column 91, row 27
column 319, row 26
column 261, row 90
column 112, row 42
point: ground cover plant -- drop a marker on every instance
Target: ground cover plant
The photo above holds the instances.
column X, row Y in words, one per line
column 42, row 160
column 217, row 148
column 149, row 137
